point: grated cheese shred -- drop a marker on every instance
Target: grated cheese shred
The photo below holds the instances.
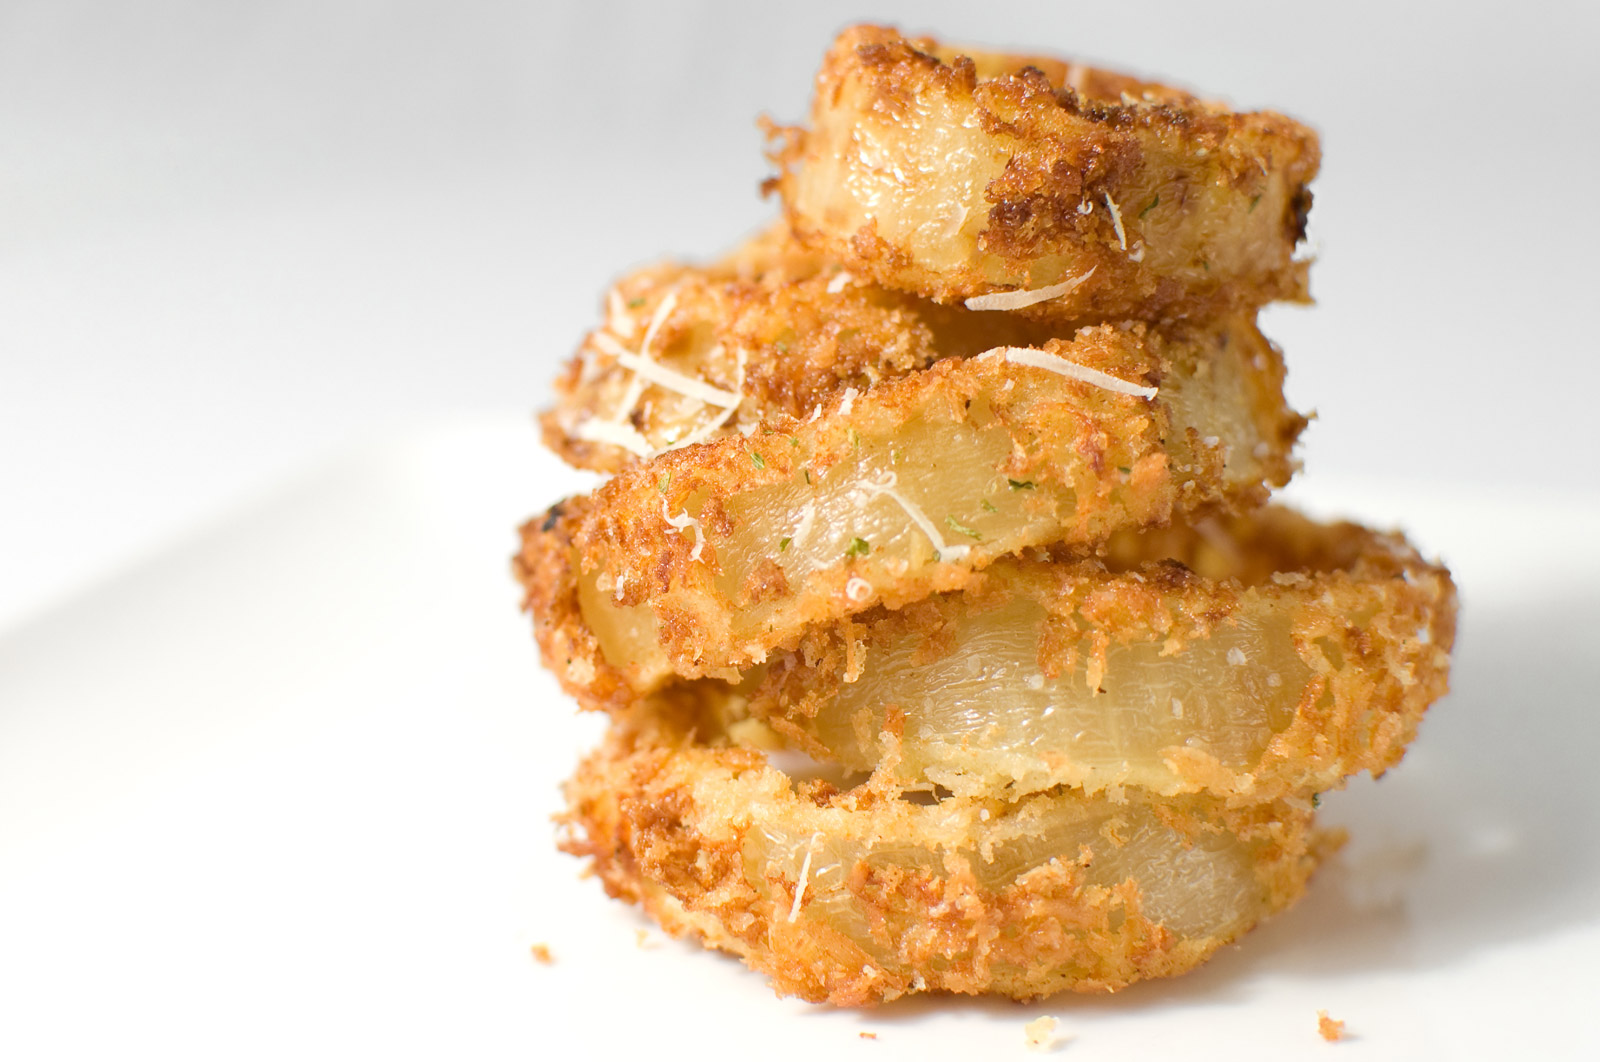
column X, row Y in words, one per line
column 615, row 433
column 805, row 874
column 1040, row 359
column 887, row 486
column 1016, row 300
column 1116, row 221
column 684, row 520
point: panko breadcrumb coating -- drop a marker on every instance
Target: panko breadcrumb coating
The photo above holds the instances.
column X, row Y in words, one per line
column 686, row 355
column 1311, row 657
column 860, row 896
column 945, row 642
column 704, row 560
column 963, row 175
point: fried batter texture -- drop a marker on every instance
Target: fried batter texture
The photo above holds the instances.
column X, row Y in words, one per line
column 704, row 560
column 858, row 897
column 686, row 355
column 948, row 495
column 1044, row 187
column 1309, row 652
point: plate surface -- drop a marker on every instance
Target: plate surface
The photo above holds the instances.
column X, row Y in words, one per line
column 285, row 791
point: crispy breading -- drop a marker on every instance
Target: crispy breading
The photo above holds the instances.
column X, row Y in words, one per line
column 860, row 896
column 783, row 338
column 966, row 175
column 703, row 560
column 1309, row 653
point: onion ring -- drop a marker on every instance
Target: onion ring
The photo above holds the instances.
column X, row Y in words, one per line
column 778, row 340
column 703, row 560
column 1044, row 187
column 1305, row 654
column 861, row 896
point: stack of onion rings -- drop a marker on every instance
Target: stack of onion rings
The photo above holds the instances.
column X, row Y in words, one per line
column 950, row 486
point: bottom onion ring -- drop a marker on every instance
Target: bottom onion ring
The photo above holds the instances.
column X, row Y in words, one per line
column 857, row 897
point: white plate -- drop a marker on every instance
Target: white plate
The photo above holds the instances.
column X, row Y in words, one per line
column 285, row 792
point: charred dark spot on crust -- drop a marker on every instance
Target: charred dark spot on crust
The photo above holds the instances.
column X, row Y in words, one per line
column 552, row 515
column 1299, row 212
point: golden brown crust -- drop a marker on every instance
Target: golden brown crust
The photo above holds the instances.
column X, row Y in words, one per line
column 960, row 176
column 784, row 333
column 1307, row 653
column 858, row 897
column 705, row 559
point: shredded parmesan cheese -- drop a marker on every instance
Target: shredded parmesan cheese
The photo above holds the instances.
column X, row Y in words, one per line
column 802, row 529
column 684, row 520
column 857, row 589
column 1236, row 657
column 672, row 380
column 1016, row 300
column 1040, row 359
column 1116, row 221
column 848, row 402
column 887, row 486
column 618, row 319
column 839, row 282
column 615, row 433
column 805, row 874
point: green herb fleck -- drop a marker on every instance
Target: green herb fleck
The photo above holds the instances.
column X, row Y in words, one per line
column 783, row 544
column 956, row 525
column 858, row 548
column 989, row 506
column 761, row 462
column 782, row 346
column 1125, row 470
column 664, row 483
column 1020, row 484
column 1253, row 201
column 794, row 441
column 1316, row 800
column 855, row 439
column 634, row 304
column 807, row 471
column 1153, row 204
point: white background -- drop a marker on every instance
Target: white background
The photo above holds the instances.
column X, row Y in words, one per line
column 275, row 754
column 234, row 237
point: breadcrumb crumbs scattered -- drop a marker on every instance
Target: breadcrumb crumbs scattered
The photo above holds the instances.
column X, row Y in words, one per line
column 641, row 939
column 541, row 953
column 868, row 1035
column 1040, row 1033
column 1331, row 1029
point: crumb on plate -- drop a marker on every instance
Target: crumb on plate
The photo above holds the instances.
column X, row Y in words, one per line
column 1040, row 1033
column 541, row 954
column 1330, row 1029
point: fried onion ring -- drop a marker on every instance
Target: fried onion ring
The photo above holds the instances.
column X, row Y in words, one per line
column 1305, row 653
column 703, row 560
column 686, row 355
column 1041, row 186
column 858, row 897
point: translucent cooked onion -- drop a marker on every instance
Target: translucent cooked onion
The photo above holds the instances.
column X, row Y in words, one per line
column 960, row 178
column 1313, row 661
column 703, row 560
column 862, row 896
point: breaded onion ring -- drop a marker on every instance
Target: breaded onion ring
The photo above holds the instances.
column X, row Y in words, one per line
column 1299, row 654
column 858, row 897
column 703, row 560
column 1044, row 187
column 686, row 355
